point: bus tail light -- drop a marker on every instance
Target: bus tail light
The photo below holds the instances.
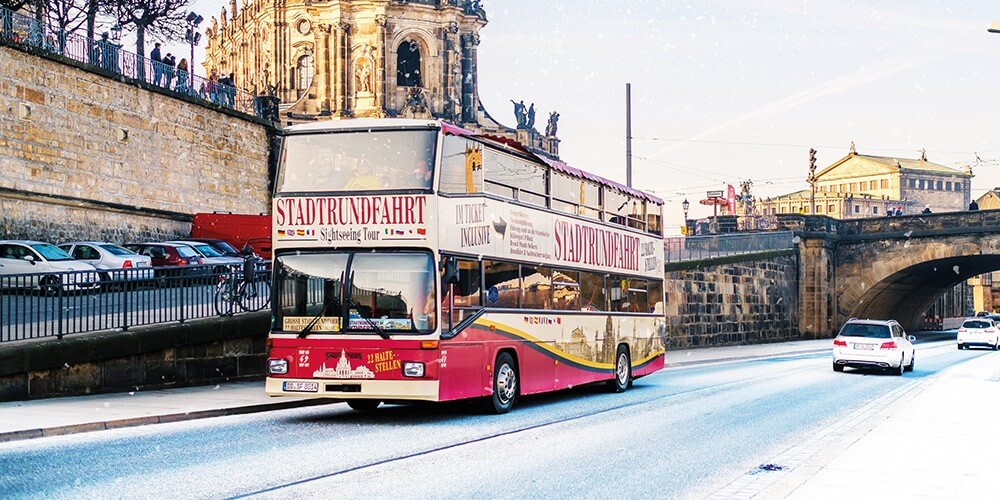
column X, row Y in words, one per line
column 428, row 344
column 413, row 369
column 277, row 366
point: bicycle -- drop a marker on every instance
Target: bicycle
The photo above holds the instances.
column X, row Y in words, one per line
column 251, row 295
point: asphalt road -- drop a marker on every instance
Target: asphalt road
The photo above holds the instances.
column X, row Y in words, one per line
column 680, row 432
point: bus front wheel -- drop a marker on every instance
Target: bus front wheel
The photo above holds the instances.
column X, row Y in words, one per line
column 505, row 385
column 623, row 371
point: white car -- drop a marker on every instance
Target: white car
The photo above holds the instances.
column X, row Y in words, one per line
column 34, row 264
column 212, row 257
column 873, row 344
column 112, row 261
column 979, row 332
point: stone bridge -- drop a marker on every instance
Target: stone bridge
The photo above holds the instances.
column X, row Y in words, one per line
column 887, row 267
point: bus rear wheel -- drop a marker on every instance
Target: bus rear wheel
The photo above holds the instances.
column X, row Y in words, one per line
column 505, row 385
column 623, row 371
column 363, row 405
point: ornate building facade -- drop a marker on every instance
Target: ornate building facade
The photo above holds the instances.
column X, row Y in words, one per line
column 338, row 59
column 858, row 186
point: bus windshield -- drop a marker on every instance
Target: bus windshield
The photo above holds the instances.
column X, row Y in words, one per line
column 357, row 161
column 391, row 291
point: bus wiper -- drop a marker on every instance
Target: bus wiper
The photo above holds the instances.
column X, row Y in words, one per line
column 378, row 329
column 305, row 331
column 326, row 306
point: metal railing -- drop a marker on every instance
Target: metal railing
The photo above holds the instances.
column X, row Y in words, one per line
column 56, row 304
column 108, row 56
column 677, row 249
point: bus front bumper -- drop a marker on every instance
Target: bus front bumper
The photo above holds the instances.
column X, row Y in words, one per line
column 384, row 390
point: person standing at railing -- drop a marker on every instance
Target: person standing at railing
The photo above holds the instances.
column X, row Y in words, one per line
column 212, row 88
column 104, row 48
column 182, row 77
column 157, row 61
column 231, row 91
column 8, row 23
column 169, row 63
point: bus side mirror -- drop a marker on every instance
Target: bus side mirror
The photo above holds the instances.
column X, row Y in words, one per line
column 450, row 272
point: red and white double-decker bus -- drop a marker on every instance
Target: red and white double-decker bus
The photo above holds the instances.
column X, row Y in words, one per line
column 415, row 260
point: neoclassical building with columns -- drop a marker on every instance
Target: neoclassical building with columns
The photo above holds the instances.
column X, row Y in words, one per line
column 337, row 59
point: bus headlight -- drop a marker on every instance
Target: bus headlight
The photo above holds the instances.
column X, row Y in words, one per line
column 277, row 366
column 413, row 369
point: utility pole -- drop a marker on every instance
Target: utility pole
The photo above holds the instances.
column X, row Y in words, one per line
column 812, row 181
column 628, row 134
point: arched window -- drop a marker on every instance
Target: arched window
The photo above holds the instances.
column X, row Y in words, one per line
column 408, row 65
column 304, row 71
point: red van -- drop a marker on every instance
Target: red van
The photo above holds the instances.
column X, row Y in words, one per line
column 236, row 229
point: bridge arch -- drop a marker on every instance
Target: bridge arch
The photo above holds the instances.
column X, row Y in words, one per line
column 900, row 278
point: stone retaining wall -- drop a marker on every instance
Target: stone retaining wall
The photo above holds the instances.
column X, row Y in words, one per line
column 114, row 160
column 730, row 301
column 191, row 353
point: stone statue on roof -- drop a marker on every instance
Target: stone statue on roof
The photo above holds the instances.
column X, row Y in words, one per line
column 553, row 126
column 520, row 114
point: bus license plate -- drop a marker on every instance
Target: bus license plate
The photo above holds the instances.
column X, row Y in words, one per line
column 300, row 386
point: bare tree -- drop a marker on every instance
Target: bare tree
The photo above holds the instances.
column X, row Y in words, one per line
column 65, row 17
column 163, row 19
column 93, row 9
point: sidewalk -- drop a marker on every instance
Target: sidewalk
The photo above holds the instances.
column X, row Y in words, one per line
column 941, row 443
column 55, row 416
column 931, row 438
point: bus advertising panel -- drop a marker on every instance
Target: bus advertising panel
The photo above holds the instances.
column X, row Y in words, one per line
column 354, row 221
column 479, row 225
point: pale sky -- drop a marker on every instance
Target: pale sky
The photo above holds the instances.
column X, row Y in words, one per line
column 727, row 90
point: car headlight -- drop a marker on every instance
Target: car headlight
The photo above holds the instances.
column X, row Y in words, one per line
column 277, row 366
column 413, row 369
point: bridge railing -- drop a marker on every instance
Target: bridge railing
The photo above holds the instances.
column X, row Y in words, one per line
column 682, row 248
column 51, row 304
column 107, row 55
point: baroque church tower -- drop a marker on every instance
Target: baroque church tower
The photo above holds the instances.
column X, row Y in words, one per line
column 333, row 59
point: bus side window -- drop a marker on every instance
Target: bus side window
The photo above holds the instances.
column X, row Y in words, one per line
column 592, row 293
column 566, row 290
column 536, row 287
column 503, row 284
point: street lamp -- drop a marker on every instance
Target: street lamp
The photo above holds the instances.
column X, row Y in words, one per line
column 192, row 37
column 686, row 205
column 116, row 33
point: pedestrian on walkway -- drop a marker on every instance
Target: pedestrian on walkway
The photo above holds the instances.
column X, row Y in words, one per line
column 169, row 63
column 108, row 52
column 232, row 89
column 182, row 77
column 157, row 61
column 926, row 210
column 973, row 205
column 212, row 88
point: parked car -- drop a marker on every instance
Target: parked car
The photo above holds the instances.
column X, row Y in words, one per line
column 221, row 246
column 211, row 257
column 112, row 261
column 168, row 255
column 44, row 266
column 867, row 343
column 979, row 332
